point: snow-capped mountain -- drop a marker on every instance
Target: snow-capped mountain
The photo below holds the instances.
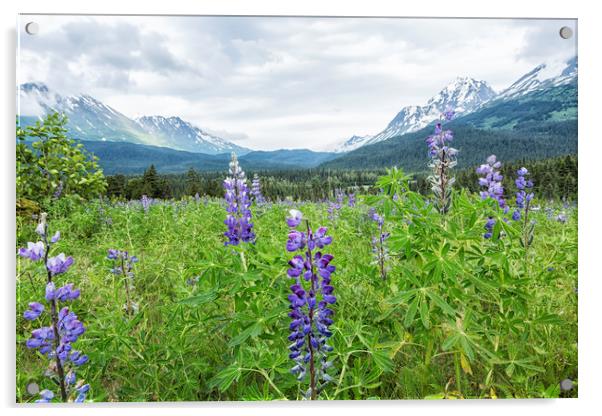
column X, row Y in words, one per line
column 464, row 95
column 542, row 76
column 352, row 143
column 180, row 134
column 90, row 119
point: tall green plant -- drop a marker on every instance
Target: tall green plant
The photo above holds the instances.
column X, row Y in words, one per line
column 50, row 164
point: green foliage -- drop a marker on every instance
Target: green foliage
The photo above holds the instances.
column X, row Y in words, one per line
column 458, row 316
column 49, row 163
column 556, row 179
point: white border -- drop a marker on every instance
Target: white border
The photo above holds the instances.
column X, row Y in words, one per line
column 590, row 149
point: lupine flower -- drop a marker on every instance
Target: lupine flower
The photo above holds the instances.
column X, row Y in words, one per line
column 491, row 180
column 523, row 205
column 56, row 237
column 238, row 220
column 59, row 264
column 351, row 200
column 123, row 264
column 33, row 252
column 256, row 190
column 146, row 203
column 561, row 218
column 197, row 198
column 522, row 198
column 310, row 313
column 64, row 358
column 333, row 210
column 81, row 393
column 45, row 396
column 489, row 227
column 379, row 247
column 295, row 218
column 34, row 311
column 339, row 196
column 443, row 159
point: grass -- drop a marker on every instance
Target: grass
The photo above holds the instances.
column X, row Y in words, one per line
column 224, row 338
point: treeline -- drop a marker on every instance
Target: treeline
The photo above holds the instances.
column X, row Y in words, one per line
column 554, row 178
column 539, row 141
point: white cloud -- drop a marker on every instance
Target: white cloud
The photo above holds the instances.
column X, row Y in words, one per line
column 280, row 82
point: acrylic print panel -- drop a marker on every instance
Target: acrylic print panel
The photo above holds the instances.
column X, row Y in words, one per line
column 265, row 208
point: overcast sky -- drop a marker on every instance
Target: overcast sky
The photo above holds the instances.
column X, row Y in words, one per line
column 269, row 83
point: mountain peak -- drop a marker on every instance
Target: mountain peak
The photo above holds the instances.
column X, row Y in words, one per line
column 34, row 86
column 91, row 119
column 463, row 94
column 542, row 76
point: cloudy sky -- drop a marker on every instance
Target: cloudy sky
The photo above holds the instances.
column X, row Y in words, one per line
column 269, row 83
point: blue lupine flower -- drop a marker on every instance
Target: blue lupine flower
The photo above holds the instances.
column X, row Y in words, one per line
column 351, row 200
column 59, row 264
column 295, row 218
column 46, row 396
column 379, row 246
column 310, row 312
column 256, row 190
column 81, row 393
column 489, row 227
column 146, row 203
column 64, row 324
column 70, row 377
column 522, row 198
column 123, row 264
column 55, row 237
column 492, row 180
column 238, row 220
column 34, row 311
column 33, row 252
column 443, row 159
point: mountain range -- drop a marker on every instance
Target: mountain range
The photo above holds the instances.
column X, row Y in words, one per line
column 465, row 95
column 541, row 102
column 91, row 120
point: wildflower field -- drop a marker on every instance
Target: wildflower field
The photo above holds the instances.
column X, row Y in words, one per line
column 457, row 315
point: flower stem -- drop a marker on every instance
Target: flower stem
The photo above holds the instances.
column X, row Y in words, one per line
column 458, row 372
column 128, row 302
column 243, row 261
column 55, row 323
column 312, row 369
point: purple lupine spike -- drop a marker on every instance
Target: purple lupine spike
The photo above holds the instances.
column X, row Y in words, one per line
column 443, row 159
column 238, row 220
column 56, row 340
column 491, row 180
column 522, row 198
column 310, row 311
column 379, row 246
column 256, row 190
column 523, row 205
column 351, row 200
column 146, row 202
column 123, row 264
